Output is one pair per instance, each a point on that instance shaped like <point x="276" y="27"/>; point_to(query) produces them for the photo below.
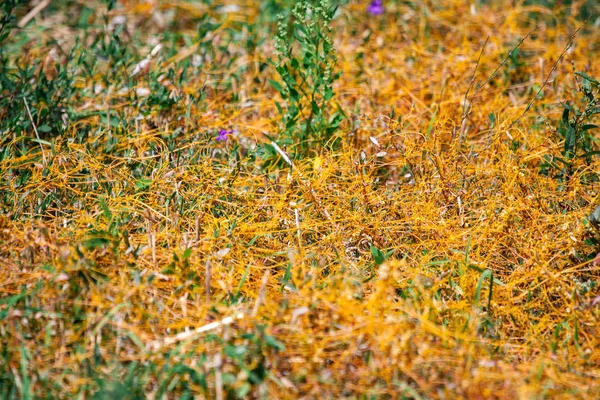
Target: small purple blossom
<point x="376" y="7"/>
<point x="223" y="135"/>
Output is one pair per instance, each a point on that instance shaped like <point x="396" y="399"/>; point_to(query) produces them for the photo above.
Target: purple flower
<point x="376" y="7"/>
<point x="223" y="135"/>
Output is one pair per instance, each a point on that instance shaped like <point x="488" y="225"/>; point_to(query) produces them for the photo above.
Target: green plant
<point x="305" y="64"/>
<point x="576" y="124"/>
<point x="575" y="128"/>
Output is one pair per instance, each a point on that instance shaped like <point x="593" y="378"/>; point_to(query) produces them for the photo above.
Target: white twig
<point x="299" y="233"/>
<point x="34" y="11"/>
<point x="157" y="344"/>
<point x="282" y="153"/>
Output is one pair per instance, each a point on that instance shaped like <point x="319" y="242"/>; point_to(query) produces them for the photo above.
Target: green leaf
<point x="44" y="128"/>
<point x="105" y="209"/>
<point x="294" y="94"/>
<point x="586" y="76"/>
<point x="40" y="141"/>
<point x="315" y="108"/>
<point x="3" y="36"/>
<point x="274" y="343"/>
<point x="592" y="111"/>
<point x="113" y="122"/>
<point x="277" y="86"/>
<point x="594" y="218"/>
<point x="475" y="268"/>
<point x="143" y="183"/>
<point x="570" y="140"/>
<point x="378" y="256"/>
<point x="590" y="153"/>
<point x="243" y="390"/>
<point x="486" y="274"/>
<point x="96" y="243"/>
<point x="565" y="116"/>
<point x="12" y="300"/>
<point x="336" y="120"/>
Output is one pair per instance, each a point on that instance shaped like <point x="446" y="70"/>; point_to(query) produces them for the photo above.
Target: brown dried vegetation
<point x="113" y="258"/>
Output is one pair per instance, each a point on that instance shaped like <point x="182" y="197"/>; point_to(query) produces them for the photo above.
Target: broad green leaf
<point x="143" y="183"/>
<point x="378" y="256"/>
